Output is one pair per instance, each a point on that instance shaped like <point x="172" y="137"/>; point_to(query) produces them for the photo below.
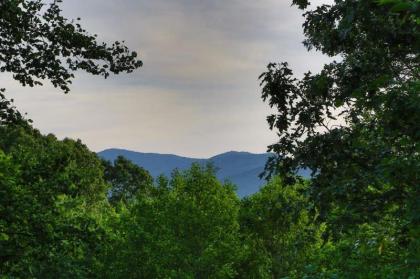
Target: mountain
<point x="241" y="168"/>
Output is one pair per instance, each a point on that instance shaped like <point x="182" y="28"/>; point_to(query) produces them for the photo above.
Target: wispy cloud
<point x="197" y="93"/>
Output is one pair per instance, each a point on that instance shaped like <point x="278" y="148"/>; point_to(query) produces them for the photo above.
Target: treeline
<point x="65" y="213"/>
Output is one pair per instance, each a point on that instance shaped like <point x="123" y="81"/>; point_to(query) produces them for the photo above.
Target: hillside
<point x="241" y="168"/>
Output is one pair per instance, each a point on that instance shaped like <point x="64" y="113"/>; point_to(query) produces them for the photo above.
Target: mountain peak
<point x="240" y="167"/>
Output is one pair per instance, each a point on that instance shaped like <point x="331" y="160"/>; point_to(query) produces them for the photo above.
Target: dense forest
<point x="65" y="213"/>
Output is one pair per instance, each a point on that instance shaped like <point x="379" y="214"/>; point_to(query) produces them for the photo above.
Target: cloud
<point x="197" y="93"/>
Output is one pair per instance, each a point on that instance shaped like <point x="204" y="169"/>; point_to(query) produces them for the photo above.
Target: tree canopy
<point x="66" y="213"/>
<point x="37" y="43"/>
<point x="355" y="124"/>
<point x="126" y="179"/>
<point x="52" y="206"/>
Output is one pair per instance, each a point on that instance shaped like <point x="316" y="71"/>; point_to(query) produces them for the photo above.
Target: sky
<point x="197" y="94"/>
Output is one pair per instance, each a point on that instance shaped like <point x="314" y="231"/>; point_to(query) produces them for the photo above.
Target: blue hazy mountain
<point x="241" y="168"/>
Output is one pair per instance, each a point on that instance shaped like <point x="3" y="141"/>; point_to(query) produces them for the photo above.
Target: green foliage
<point x="277" y="222"/>
<point x="355" y="125"/>
<point x="126" y="179"/>
<point x="8" y="113"/>
<point x="55" y="220"/>
<point x="368" y="251"/>
<point x="51" y="166"/>
<point x="302" y="4"/>
<point x="38" y="43"/>
<point x="187" y="229"/>
<point x="408" y="9"/>
<point x="52" y="199"/>
<point x="65" y="213"/>
<point x="375" y="91"/>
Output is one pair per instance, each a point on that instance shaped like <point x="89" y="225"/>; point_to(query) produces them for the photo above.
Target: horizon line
<point x="172" y="154"/>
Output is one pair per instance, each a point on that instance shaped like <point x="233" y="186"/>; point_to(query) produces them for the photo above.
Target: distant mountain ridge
<point x="241" y="168"/>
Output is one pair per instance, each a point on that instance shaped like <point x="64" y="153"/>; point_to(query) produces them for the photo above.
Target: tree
<point x="187" y="229"/>
<point x="38" y="43"/>
<point x="366" y="251"/>
<point x="409" y="9"/>
<point x="276" y="222"/>
<point x="127" y="180"/>
<point x="354" y="124"/>
<point x="52" y="206"/>
<point x="54" y="216"/>
<point x="9" y="115"/>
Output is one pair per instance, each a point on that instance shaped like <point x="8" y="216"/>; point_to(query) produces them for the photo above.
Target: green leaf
<point x="4" y="237"/>
<point x="403" y="6"/>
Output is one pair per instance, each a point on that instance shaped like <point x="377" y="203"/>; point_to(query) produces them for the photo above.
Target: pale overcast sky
<point x="197" y="93"/>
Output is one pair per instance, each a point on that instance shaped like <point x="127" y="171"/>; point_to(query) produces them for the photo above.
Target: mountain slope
<point x="241" y="168"/>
